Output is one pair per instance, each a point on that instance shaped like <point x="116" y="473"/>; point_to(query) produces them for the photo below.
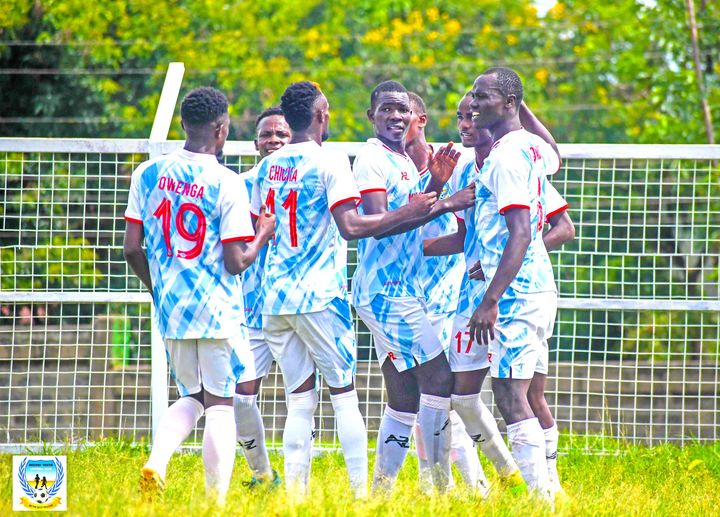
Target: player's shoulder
<point x="148" y="164"/>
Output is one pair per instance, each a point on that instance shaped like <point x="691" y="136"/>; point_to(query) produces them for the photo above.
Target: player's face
<point x="488" y="104"/>
<point x="391" y="116"/>
<point x="272" y="133"/>
<point x="417" y="124"/>
<point x="470" y="136"/>
<point x="323" y="107"/>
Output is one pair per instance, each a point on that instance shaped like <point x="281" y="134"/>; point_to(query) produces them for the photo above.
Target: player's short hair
<point x="417" y="104"/>
<point x="508" y="81"/>
<point x="270" y="112"/>
<point x="203" y="105"/>
<point x="385" y="86"/>
<point x="297" y="104"/>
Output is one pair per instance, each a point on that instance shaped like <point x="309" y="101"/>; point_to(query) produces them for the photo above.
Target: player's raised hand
<point x="265" y="224"/>
<point x="442" y="164"/>
<point x="476" y="272"/>
<point x="422" y="203"/>
<point x="482" y="323"/>
<point x="462" y="199"/>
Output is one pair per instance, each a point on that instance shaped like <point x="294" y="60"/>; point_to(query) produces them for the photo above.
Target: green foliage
<point x="592" y="75"/>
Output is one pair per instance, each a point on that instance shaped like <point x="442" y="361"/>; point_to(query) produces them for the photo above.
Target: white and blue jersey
<point x="514" y="176"/>
<point x="306" y="263"/>
<point x="389" y="266"/>
<point x="189" y="205"/>
<point x="252" y="276"/>
<point x="441" y="275"/>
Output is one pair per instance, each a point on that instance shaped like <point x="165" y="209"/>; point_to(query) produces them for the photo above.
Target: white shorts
<point x="466" y="355"/>
<point x="401" y="330"/>
<point x="257" y="358"/>
<point x="442" y="324"/>
<point x="302" y="342"/>
<point x="212" y="364"/>
<point x="520" y="347"/>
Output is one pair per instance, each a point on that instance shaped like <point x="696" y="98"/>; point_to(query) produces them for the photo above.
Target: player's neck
<point x="298" y="137"/>
<point x="398" y="147"/>
<point x="481" y="152"/>
<point x="417" y="150"/>
<point x="504" y="127"/>
<point x="200" y="147"/>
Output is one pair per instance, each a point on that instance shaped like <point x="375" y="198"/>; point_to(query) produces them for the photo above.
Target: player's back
<point x="187" y="202"/>
<point x="305" y="267"/>
<point x="252" y="276"/>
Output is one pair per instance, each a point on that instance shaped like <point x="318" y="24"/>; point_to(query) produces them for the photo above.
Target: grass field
<point x="663" y="480"/>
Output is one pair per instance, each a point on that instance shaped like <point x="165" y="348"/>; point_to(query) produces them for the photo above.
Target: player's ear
<point x="370" y="115"/>
<point x="422" y="120"/>
<point x="256" y="144"/>
<point x="511" y="101"/>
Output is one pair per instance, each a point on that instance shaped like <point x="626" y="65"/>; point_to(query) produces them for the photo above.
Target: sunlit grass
<point x="663" y="480"/>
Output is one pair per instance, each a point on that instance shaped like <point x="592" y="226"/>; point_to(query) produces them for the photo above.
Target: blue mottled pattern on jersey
<point x="306" y="277"/>
<point x="195" y="298"/>
<point x="441" y="276"/>
<point x="388" y="266"/>
<point x="514" y="173"/>
<point x="252" y="276"/>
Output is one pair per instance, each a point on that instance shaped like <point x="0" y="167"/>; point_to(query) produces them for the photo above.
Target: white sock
<point x="219" y="450"/>
<point x="297" y="440"/>
<point x="528" y="447"/>
<point x="353" y="438"/>
<point x="393" y="443"/>
<point x="465" y="457"/>
<point x="425" y="480"/>
<point x="251" y="435"/>
<point x="482" y="428"/>
<point x="434" y="421"/>
<point x="175" y="425"/>
<point x="551" y="444"/>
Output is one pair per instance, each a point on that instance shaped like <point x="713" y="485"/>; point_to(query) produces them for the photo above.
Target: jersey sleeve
<point x="133" y="212"/>
<point x="454" y="184"/>
<point x="369" y="173"/>
<point x="235" y="222"/>
<point x="553" y="202"/>
<point x="508" y="178"/>
<point x="255" y="201"/>
<point x="340" y="182"/>
<point x="552" y="160"/>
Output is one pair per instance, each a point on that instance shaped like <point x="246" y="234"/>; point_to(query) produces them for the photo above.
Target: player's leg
<point x="469" y="363"/>
<point x="510" y="383"/>
<point x="220" y="369"/>
<point x="298" y="372"/>
<point x="249" y="423"/>
<point x="538" y="403"/>
<point x="330" y="338"/>
<point x="180" y="418"/>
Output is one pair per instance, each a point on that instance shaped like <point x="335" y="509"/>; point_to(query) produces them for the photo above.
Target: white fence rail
<point x="636" y="351"/>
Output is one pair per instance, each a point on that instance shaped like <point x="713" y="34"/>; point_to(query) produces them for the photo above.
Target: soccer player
<point x="388" y="295"/>
<point x="441" y="277"/>
<point x="194" y="216"/>
<point x="517" y="311"/>
<point x="306" y="313"/>
<point x="271" y="133"/>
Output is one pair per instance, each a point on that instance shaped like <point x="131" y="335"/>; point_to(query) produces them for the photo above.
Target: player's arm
<point x="483" y="319"/>
<point x="376" y="203"/>
<point x="352" y="225"/>
<point x="135" y="254"/>
<point x="450" y="244"/>
<point x="531" y="123"/>
<point x="239" y="254"/>
<point x="562" y="230"/>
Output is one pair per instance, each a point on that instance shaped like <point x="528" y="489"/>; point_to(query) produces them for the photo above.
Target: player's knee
<point x="305" y="402"/>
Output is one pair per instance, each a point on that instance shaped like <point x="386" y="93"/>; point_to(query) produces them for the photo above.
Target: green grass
<point x="663" y="480"/>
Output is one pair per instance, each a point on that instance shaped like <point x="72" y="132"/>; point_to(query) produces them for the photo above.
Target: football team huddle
<point x="453" y="281"/>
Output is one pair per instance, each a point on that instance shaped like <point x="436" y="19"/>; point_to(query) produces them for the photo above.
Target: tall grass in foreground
<point x="663" y="480"/>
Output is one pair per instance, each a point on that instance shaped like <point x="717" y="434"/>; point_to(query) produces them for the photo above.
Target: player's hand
<point x="422" y="203"/>
<point x="442" y="164"/>
<point x="482" y="323"/>
<point x="476" y="272"/>
<point x="265" y="224"/>
<point x="462" y="199"/>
